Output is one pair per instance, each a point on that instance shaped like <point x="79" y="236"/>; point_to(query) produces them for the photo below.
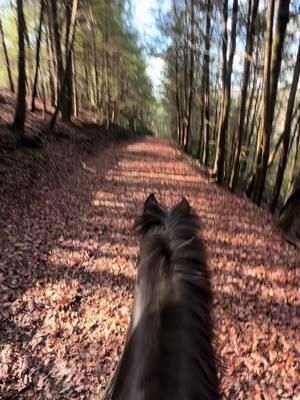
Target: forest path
<point x="67" y="272"/>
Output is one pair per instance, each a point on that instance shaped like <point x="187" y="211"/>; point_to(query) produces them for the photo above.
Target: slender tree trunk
<point x="286" y="133"/>
<point x="226" y="77"/>
<point x="191" y="77"/>
<point x="88" y="99"/>
<point x="20" y="115"/>
<point x="67" y="109"/>
<point x="185" y="77"/>
<point x="291" y="208"/>
<point x="75" y="89"/>
<point x="217" y="116"/>
<point x="29" y="62"/>
<point x="44" y="94"/>
<point x="107" y="110"/>
<point x="206" y="104"/>
<point x="253" y="109"/>
<point x="266" y="122"/>
<point x="182" y="107"/>
<point x="201" y="136"/>
<point x="272" y="155"/>
<point x="277" y="48"/>
<point x="97" y="80"/>
<point x="256" y="110"/>
<point x="218" y="108"/>
<point x="57" y="42"/>
<point x="248" y="131"/>
<point x="67" y="106"/>
<point x="220" y="143"/>
<point x="178" y="113"/>
<point x="244" y="92"/>
<point x="294" y="136"/>
<point x="53" y="84"/>
<point x="37" y="58"/>
<point x="291" y="184"/>
<point x="10" y="80"/>
<point x="203" y="131"/>
<point x="250" y="104"/>
<point x="177" y="88"/>
<point x="68" y="61"/>
<point x="255" y="158"/>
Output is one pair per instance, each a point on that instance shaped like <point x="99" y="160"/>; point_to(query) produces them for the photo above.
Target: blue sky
<point x="144" y="21"/>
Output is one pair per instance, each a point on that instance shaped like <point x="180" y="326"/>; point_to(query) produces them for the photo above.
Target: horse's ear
<point x="153" y="215"/>
<point x="184" y="205"/>
<point x="150" y="202"/>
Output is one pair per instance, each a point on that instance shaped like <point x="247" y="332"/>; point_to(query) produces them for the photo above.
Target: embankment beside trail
<point x="43" y="155"/>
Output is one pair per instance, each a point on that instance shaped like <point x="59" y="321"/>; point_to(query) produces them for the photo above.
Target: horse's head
<point x="168" y="352"/>
<point x="162" y="233"/>
<point x="155" y="214"/>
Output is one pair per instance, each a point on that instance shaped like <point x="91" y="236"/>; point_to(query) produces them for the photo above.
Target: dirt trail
<point x="67" y="270"/>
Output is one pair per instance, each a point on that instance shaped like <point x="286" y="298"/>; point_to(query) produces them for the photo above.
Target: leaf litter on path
<point x="68" y="266"/>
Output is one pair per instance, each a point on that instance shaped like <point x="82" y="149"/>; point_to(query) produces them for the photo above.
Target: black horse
<point x="168" y="353"/>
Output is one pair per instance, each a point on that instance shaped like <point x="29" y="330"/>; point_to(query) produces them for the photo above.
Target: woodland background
<point x="229" y="94"/>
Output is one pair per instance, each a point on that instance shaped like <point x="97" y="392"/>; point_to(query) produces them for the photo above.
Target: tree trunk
<point x="255" y="113"/>
<point x="37" y="58"/>
<point x="57" y="42"/>
<point x="277" y="48"/>
<point x="20" y="115"/>
<point x="295" y="128"/>
<point x="88" y="97"/>
<point x="69" y="46"/>
<point x="273" y="153"/>
<point x="244" y="92"/>
<point x="185" y="76"/>
<point x="107" y="110"/>
<point x="10" y="80"/>
<point x="250" y="104"/>
<point x="178" y="113"/>
<point x="44" y="95"/>
<point x="291" y="184"/>
<point x="75" y="90"/>
<point x="260" y="178"/>
<point x="220" y="142"/>
<point x="67" y="102"/>
<point x="177" y="88"/>
<point x="255" y="156"/>
<point x="216" y="118"/>
<point x="29" y="62"/>
<point x="206" y="103"/>
<point x="226" y="78"/>
<point x="254" y="101"/>
<point x="97" y="80"/>
<point x="291" y="208"/>
<point x="286" y="133"/>
<point x="191" y="77"/>
<point x="53" y="84"/>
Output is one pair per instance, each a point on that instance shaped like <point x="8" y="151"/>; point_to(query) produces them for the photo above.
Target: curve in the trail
<point x="75" y="314"/>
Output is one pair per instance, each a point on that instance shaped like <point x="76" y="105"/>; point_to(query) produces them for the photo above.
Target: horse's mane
<point x="169" y="352"/>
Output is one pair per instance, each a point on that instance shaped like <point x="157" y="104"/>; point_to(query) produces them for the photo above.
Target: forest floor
<point x="68" y="266"/>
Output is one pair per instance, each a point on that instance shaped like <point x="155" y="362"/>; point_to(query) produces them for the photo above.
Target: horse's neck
<point x="154" y="365"/>
<point x="138" y="377"/>
<point x="166" y="358"/>
<point x="169" y="354"/>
